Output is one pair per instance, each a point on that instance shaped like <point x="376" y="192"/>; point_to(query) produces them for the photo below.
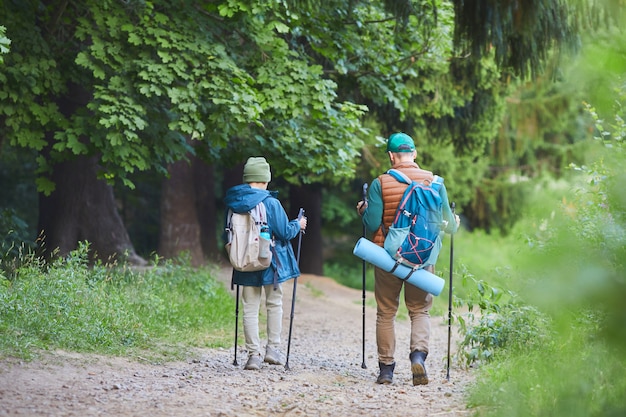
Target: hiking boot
<point x="386" y="373"/>
<point x="254" y="362"/>
<point x="418" y="368"/>
<point x="273" y="356"/>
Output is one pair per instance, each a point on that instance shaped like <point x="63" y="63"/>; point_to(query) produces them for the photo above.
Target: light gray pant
<point x="251" y="298"/>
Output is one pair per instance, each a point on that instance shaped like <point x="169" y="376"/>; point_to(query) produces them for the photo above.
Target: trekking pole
<point x="293" y="297"/>
<point x="450" y="293"/>
<point x="236" y="316"/>
<point x="364" y="232"/>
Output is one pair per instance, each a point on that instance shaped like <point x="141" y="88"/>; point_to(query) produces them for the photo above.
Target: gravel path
<point x="325" y="376"/>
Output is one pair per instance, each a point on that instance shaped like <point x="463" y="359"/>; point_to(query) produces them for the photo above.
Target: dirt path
<point x="325" y="376"/>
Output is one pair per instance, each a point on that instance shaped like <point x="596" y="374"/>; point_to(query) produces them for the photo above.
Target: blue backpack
<point x="414" y="237"/>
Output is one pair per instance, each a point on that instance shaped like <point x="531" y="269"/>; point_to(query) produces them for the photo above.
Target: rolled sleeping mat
<point x="378" y="256"/>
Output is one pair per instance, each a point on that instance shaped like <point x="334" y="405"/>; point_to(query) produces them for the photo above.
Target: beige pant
<point x="387" y="289"/>
<point x="251" y="298"/>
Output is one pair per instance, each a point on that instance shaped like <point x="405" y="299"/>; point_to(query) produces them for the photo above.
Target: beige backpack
<point x="249" y="243"/>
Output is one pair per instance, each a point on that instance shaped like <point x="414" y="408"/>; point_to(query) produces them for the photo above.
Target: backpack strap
<point x="402" y="177"/>
<point x="259" y="213"/>
<point x="229" y="226"/>
<point x="437" y="183"/>
<point x="275" y="277"/>
<point x="399" y="176"/>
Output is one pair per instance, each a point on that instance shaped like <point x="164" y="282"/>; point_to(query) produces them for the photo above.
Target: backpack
<point x="249" y="241"/>
<point x="414" y="236"/>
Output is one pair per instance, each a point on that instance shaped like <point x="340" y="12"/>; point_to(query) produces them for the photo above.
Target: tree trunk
<point x="309" y="197"/>
<point x="83" y="208"/>
<point x="180" y="229"/>
<point x="233" y="176"/>
<point x="209" y="219"/>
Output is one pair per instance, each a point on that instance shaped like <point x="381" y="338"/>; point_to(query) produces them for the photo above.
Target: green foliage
<point x="602" y="60"/>
<point x="151" y="82"/>
<point x="349" y="272"/>
<point x="574" y="272"/>
<point x="574" y="376"/>
<point x="407" y="74"/>
<point x="502" y="322"/>
<point x="571" y="272"/>
<point x="540" y="127"/>
<point x="614" y="134"/>
<point x="112" y="310"/>
<point x="18" y="200"/>
<point x="312" y="87"/>
<point x="542" y="132"/>
<point x="14" y="240"/>
<point x="4" y="43"/>
<point x="18" y="210"/>
<point x="483" y="26"/>
<point x="460" y="105"/>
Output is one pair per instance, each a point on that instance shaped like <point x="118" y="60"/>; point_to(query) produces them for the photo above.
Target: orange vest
<point x="391" y="192"/>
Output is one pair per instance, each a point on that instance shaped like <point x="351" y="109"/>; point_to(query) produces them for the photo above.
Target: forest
<point x="124" y="122"/>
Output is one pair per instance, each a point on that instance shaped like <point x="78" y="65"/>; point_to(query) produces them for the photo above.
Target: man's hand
<point x="360" y="207"/>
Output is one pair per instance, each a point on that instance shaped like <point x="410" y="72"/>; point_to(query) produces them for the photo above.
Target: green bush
<point x="573" y="272"/>
<point x="351" y="274"/>
<point x="14" y="241"/>
<point x="115" y="310"/>
<point x="492" y="321"/>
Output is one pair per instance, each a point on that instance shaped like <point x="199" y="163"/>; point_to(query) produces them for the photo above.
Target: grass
<point x="111" y="310"/>
<point x="347" y="269"/>
<point x="572" y="375"/>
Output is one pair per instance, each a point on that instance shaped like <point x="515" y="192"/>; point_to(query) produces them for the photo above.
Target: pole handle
<point x="362" y="207"/>
<point x="300" y="215"/>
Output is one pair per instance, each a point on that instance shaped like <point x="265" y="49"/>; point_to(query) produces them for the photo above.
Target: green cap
<point x="256" y="170"/>
<point x="400" y="142"/>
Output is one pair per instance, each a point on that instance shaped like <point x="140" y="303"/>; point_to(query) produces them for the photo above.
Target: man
<point x="243" y="198"/>
<point x="378" y="214"/>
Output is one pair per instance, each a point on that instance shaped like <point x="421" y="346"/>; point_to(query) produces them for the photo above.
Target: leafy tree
<point x="107" y="89"/>
<point x="4" y="43"/>
<point x="497" y="112"/>
<point x="127" y="85"/>
<point x="406" y="72"/>
<point x="544" y="128"/>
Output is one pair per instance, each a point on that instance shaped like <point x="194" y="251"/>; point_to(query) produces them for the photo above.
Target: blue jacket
<point x="242" y="198"/>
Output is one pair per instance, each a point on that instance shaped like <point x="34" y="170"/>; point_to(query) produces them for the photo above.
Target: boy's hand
<point x="303" y="222"/>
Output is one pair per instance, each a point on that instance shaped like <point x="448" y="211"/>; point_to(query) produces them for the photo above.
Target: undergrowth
<point x="563" y="354"/>
<point x="70" y="305"/>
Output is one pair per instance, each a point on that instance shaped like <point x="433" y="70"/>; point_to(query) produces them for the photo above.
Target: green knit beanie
<point x="256" y="170"/>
